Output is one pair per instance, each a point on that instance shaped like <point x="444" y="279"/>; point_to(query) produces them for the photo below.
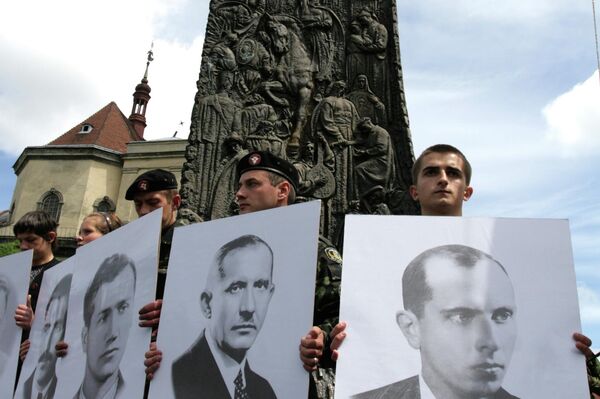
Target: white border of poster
<point x="14" y="271"/>
<point x="292" y="234"/>
<point x="138" y="241"/>
<point x="537" y="256"/>
<point x="37" y="336"/>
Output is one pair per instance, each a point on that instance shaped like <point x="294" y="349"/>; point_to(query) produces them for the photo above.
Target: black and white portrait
<point x="462" y="307"/>
<point x="236" y="307"/>
<point x="113" y="278"/>
<point x="38" y="376"/>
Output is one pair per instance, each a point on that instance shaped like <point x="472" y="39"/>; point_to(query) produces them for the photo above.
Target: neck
<point x="92" y="388"/>
<point x="42" y="260"/>
<point x="441" y="389"/>
<point x="441" y="212"/>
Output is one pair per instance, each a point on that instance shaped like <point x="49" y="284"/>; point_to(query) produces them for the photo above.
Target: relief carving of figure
<point x="317" y="23"/>
<point x="215" y="115"/>
<point x="292" y="70"/>
<point x="366" y="102"/>
<point x="246" y="120"/>
<point x="374" y="157"/>
<point x="264" y="138"/>
<point x="334" y="120"/>
<point x="309" y="181"/>
<point x="366" y="49"/>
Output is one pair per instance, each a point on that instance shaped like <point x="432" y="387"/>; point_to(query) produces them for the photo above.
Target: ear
<point x="409" y="324"/>
<point x="176" y="201"/>
<point x="271" y="291"/>
<point x="51" y="236"/>
<point x="84" y="336"/>
<point x="413" y="192"/>
<point x="205" y="299"/>
<point x="283" y="191"/>
<point x="468" y="192"/>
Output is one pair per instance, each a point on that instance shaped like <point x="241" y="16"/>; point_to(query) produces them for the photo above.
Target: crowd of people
<point x="441" y="184"/>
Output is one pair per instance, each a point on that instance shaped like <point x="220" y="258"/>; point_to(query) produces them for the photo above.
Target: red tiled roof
<point x="110" y="129"/>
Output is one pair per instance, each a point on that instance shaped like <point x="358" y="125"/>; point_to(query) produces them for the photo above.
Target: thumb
<point x="28" y="301"/>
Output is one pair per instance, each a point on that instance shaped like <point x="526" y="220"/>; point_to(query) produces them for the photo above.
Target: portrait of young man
<point x="108" y="316"/>
<point x="459" y="312"/>
<point x="234" y="302"/>
<point x="6" y="322"/>
<point x="41" y="384"/>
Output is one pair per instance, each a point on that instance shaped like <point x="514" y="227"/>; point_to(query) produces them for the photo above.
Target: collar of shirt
<point x="110" y="394"/>
<point x="424" y="389"/>
<point x="228" y="367"/>
<point x="36" y="388"/>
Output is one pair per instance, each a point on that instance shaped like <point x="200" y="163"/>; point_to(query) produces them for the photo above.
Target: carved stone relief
<point x="315" y="81"/>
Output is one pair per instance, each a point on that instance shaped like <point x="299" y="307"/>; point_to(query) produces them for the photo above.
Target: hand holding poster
<point x="14" y="282"/>
<point x="239" y="296"/>
<point x="114" y="277"/>
<point x="459" y="308"/>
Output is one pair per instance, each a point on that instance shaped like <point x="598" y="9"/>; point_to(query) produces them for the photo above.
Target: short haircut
<point x="238" y="243"/>
<point x="105" y="221"/>
<point x="275" y="179"/>
<point x="108" y="271"/>
<point x="441" y="149"/>
<point x="61" y="291"/>
<point x="415" y="290"/>
<point x="37" y="222"/>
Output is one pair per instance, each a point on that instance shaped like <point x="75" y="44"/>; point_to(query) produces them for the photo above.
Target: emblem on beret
<point x="143" y="185"/>
<point x="333" y="255"/>
<point x="254" y="159"/>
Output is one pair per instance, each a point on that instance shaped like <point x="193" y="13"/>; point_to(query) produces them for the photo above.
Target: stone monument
<point x="318" y="82"/>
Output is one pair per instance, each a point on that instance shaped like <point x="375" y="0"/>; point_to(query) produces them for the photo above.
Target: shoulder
<point x="328" y="251"/>
<point x="404" y="389"/>
<point x="503" y="394"/>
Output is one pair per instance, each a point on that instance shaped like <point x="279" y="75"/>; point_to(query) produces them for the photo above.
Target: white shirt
<point x="228" y="367"/>
<point x="424" y="389"/>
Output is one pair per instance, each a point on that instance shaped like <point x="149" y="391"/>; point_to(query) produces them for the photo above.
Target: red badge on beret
<point x="143" y="185"/>
<point x="254" y="159"/>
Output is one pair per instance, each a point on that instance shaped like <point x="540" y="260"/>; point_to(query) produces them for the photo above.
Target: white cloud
<point x="70" y="58"/>
<point x="573" y="118"/>
<point x="589" y="304"/>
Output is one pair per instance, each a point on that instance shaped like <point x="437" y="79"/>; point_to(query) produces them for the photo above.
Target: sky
<point x="513" y="84"/>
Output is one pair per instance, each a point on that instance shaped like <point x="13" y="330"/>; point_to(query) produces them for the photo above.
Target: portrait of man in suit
<point x="107" y="316"/>
<point x="42" y="382"/>
<point x="5" y="321"/>
<point x="235" y="301"/>
<point x="459" y="312"/>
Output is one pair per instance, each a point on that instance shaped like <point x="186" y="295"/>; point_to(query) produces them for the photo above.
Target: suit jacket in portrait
<point x="196" y="376"/>
<point x="28" y="388"/>
<point x="409" y="389"/>
<point x="119" y="391"/>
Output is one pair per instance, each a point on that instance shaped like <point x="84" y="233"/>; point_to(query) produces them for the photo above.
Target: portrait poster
<point x="239" y="296"/>
<point x="114" y="277"/>
<point x="14" y="283"/>
<point x="477" y="307"/>
<point x="39" y="367"/>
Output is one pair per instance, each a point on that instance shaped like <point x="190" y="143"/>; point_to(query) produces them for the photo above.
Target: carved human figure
<point x="292" y="74"/>
<point x="318" y="23"/>
<point x="254" y="62"/>
<point x="240" y="17"/>
<point x="215" y="120"/>
<point x="366" y="102"/>
<point x="255" y="110"/>
<point x="222" y="53"/>
<point x="374" y="157"/>
<point x="373" y="201"/>
<point x="366" y="51"/>
<point x="334" y="120"/>
<point x="309" y="182"/>
<point x="264" y="138"/>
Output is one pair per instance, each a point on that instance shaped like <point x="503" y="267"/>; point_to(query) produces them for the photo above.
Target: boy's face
<point x="42" y="248"/>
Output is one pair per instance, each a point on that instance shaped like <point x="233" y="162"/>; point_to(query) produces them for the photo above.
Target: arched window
<point x="51" y="203"/>
<point x="104" y="204"/>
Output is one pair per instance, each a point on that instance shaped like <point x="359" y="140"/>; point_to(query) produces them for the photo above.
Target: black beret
<point x="152" y="180"/>
<point x="263" y="160"/>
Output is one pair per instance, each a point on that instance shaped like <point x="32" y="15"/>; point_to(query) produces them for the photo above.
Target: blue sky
<point x="513" y="84"/>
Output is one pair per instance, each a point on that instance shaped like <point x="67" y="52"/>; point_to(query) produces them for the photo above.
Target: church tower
<point x="141" y="97"/>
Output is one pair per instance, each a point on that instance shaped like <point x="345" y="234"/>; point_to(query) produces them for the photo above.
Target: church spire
<point x="141" y="96"/>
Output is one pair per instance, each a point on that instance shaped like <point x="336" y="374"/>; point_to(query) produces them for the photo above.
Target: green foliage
<point x="9" y="247"/>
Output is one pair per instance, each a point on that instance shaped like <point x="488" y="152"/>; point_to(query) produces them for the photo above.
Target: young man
<point x="35" y="230"/>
